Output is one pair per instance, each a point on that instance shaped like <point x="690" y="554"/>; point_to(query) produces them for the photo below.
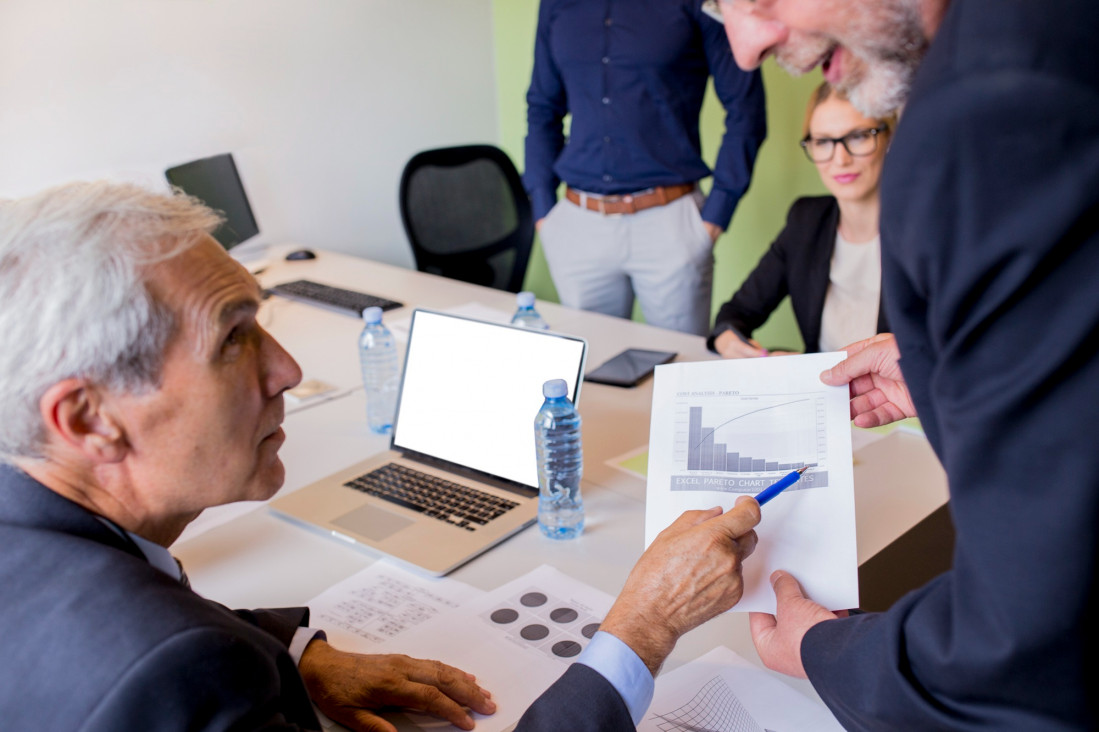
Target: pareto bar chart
<point x="733" y="443"/>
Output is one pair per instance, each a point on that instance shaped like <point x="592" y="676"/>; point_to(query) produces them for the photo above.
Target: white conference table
<point x="247" y="556"/>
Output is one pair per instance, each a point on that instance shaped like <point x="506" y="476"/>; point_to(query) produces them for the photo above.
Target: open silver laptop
<point x="465" y="420"/>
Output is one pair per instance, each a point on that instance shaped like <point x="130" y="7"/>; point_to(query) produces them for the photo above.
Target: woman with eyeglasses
<point x="828" y="257"/>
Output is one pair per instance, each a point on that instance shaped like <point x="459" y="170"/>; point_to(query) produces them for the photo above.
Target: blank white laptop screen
<point x="471" y="390"/>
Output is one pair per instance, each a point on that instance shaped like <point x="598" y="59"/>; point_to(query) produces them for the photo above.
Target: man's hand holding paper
<point x="879" y="394"/>
<point x="723" y="429"/>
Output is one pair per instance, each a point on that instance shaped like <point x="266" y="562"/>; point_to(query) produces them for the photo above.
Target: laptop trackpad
<point x="372" y="522"/>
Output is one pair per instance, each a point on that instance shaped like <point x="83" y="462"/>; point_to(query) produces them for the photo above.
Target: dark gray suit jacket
<point x="990" y="244"/>
<point x="94" y="638"/>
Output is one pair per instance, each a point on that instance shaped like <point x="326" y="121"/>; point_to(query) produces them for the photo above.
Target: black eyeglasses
<point x="857" y="143"/>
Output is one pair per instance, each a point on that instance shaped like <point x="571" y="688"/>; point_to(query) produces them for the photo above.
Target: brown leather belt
<point x="628" y="203"/>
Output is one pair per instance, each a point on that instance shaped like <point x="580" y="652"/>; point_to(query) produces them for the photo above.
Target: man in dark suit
<point x="136" y="390"/>
<point x="990" y="238"/>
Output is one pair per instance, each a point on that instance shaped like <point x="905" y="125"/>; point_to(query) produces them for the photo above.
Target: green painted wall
<point x="782" y="173"/>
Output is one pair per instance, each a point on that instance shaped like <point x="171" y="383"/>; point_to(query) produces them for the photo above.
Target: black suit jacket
<point x="990" y="237"/>
<point x="797" y="264"/>
<point x="94" y="638"/>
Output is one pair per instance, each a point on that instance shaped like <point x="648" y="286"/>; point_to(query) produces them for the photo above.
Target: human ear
<point x="76" y="417"/>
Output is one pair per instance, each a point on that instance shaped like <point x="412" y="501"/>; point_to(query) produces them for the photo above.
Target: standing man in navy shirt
<point x="632" y="74"/>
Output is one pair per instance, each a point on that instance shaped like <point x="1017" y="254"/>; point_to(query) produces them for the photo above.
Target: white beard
<point x="882" y="90"/>
<point x="889" y="48"/>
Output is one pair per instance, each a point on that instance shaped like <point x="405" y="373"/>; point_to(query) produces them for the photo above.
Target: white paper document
<point x="722" y="429"/>
<point x="382" y="603"/>
<point x="517" y="640"/>
<point x="722" y="692"/>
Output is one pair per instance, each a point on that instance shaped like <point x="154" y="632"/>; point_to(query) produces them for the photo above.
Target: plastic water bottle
<point x="526" y="315"/>
<point x="560" y="464"/>
<point x="381" y="372"/>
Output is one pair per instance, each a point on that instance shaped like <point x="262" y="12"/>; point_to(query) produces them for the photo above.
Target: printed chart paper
<point x="722" y="429"/>
<point x="517" y="640"/>
<point x="722" y="692"/>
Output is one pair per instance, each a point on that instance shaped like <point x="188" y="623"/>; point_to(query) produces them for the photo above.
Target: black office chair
<point x="467" y="216"/>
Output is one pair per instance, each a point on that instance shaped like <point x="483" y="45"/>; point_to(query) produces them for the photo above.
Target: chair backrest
<point x="216" y="182"/>
<point x="467" y="216"/>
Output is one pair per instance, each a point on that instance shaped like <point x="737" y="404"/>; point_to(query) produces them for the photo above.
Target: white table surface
<point x="247" y="556"/>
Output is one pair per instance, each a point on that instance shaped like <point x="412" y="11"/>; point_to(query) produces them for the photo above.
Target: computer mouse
<point x="299" y="254"/>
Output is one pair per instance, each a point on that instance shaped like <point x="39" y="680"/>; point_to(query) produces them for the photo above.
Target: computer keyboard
<point x="348" y="301"/>
<point x="453" y="503"/>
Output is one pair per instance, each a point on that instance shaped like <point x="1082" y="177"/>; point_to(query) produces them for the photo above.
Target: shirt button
<point x="606" y="100"/>
<point x="607" y="138"/>
<point x="608" y="22"/>
<point x="606" y="60"/>
<point x="607" y="178"/>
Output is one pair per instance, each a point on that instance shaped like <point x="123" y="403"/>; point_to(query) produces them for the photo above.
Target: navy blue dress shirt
<point x="633" y="73"/>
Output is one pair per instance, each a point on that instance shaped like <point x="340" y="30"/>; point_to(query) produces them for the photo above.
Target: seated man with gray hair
<point x="136" y="390"/>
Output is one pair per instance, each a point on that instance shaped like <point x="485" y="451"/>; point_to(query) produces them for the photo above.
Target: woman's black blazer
<point x="797" y="264"/>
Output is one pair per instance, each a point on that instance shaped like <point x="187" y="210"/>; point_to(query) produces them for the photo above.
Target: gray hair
<point x="73" y="297"/>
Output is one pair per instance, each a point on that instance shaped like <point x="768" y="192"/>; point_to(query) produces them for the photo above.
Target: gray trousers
<point x="663" y="256"/>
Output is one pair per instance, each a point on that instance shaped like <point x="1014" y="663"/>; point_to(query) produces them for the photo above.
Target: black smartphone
<point x="629" y="367"/>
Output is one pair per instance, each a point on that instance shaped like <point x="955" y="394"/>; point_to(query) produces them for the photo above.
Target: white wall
<point x="321" y="102"/>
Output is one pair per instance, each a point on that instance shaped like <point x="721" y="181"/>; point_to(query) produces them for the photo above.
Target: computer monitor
<point x="215" y="182"/>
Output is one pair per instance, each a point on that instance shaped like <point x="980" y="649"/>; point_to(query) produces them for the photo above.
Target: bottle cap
<point x="372" y="316"/>
<point x="525" y="299"/>
<point x="555" y="388"/>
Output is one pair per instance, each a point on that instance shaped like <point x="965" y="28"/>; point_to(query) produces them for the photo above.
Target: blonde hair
<point x="826" y="91"/>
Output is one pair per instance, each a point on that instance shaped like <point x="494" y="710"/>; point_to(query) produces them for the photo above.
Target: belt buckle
<point x="601" y="206"/>
<point x="598" y="204"/>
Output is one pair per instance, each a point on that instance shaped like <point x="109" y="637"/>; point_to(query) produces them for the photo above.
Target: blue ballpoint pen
<point x="779" y="485"/>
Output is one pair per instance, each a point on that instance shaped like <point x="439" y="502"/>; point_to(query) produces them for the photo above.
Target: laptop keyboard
<point x="350" y="301"/>
<point x="451" y="502"/>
